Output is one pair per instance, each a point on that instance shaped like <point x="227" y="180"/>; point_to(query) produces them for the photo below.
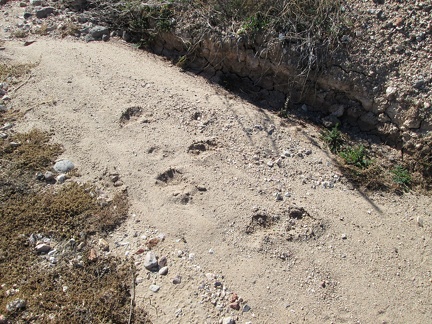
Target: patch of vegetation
<point x="70" y="29"/>
<point x="354" y="161"/>
<point x="254" y="24"/>
<point x="182" y="62"/>
<point x="356" y="156"/>
<point x="143" y="21"/>
<point x="73" y="287"/>
<point x="371" y="178"/>
<point x="10" y="72"/>
<point x="333" y="138"/>
<point x="30" y="151"/>
<point x="401" y="176"/>
<point x="19" y="33"/>
<point x="42" y="30"/>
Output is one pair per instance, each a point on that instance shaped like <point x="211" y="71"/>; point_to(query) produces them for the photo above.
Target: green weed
<point x="333" y="138"/>
<point x="356" y="156"/>
<point x="401" y="176"/>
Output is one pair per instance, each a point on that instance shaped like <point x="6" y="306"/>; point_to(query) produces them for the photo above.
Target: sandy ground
<point x="350" y="258"/>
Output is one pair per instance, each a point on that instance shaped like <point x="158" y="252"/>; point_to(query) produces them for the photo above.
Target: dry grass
<point x="12" y="73"/>
<point x="70" y="29"/>
<point x="19" y="33"/>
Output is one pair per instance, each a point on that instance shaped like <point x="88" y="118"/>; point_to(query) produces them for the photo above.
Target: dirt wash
<point x="248" y="203"/>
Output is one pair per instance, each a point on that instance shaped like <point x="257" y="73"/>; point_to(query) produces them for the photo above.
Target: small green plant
<point x="401" y="176"/>
<point x="333" y="138"/>
<point x="356" y="156"/>
<point x="164" y="19"/>
<point x="255" y="23"/>
<point x="182" y="61"/>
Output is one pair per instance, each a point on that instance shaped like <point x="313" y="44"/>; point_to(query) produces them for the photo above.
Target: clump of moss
<point x="30" y="151"/>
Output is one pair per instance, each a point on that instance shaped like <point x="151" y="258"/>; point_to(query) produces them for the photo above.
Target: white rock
<point x="163" y="271"/>
<point x="150" y="261"/>
<point x="391" y="92"/>
<point x="63" y="166"/>
<point x="15" y="305"/>
<point x="228" y="320"/>
<point x="154" y="288"/>
<point x="419" y="221"/>
<point x="104" y="246"/>
<point x="43" y="248"/>
<point x="61" y="178"/>
<point x="49" y="176"/>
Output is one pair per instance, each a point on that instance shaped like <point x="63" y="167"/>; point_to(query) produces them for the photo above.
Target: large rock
<point x="44" y="12"/>
<point x="98" y="31"/>
<point x="63" y="166"/>
<point x="77" y="5"/>
<point x="150" y="261"/>
<point x="15" y="305"/>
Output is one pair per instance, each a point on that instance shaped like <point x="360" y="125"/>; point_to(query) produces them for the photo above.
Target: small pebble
<point x="61" y="178"/>
<point x="162" y="262"/>
<point x="228" y="320"/>
<point x="176" y="280"/>
<point x="235" y="306"/>
<point x="154" y="288"/>
<point x="92" y="255"/>
<point x="104" y="246"/>
<point x="49" y="176"/>
<point x="43" y="248"/>
<point x="163" y="271"/>
<point x="344" y="236"/>
<point x="7" y="126"/>
<point x="420" y="221"/>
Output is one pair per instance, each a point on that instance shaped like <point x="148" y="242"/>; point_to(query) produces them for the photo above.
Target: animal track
<point x="171" y="176"/>
<point x="131" y="114"/>
<point x="201" y="146"/>
<point x="294" y="224"/>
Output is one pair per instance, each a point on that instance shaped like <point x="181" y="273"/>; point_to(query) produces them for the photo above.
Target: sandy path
<point x="381" y="271"/>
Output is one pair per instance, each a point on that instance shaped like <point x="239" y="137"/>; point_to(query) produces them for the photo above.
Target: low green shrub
<point x="333" y="138"/>
<point x="401" y="176"/>
<point x="356" y="156"/>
